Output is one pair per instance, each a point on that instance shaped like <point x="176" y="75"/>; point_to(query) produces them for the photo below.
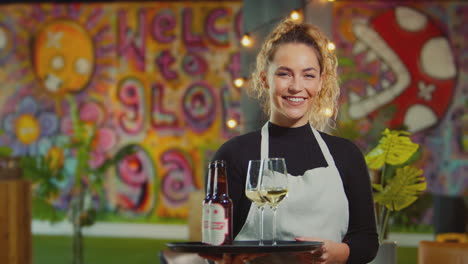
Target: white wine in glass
<point x="254" y="196"/>
<point x="274" y="196"/>
<point x="274" y="186"/>
<point x="252" y="191"/>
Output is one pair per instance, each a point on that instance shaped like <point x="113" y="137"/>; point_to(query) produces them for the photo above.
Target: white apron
<point x="316" y="205"/>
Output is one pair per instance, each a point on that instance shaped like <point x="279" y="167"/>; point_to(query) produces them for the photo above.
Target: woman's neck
<point x="291" y="132"/>
<point x="288" y="123"/>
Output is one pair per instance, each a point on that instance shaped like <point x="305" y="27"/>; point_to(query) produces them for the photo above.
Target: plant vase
<point x="387" y="253"/>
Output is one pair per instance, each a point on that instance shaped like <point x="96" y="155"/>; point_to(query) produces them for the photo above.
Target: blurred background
<point x="111" y="110"/>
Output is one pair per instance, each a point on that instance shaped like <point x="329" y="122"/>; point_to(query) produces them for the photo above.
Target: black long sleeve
<point x="362" y="236"/>
<point x="302" y="152"/>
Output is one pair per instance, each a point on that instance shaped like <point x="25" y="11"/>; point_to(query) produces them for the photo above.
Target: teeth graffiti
<point x="359" y="47"/>
<point x="370" y="91"/>
<point x="385" y="83"/>
<point x="52" y="82"/>
<point x="371" y="56"/>
<point x="354" y="98"/>
<point x="376" y="48"/>
<point x="384" y="67"/>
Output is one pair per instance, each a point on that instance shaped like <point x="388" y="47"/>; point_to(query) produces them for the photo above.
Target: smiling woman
<point x="304" y="56"/>
<point x="293" y="81"/>
<point x="328" y="182"/>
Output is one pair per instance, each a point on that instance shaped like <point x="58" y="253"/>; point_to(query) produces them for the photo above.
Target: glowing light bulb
<point x="239" y="82"/>
<point x="295" y="15"/>
<point x="331" y="0"/>
<point x="328" y="112"/>
<point x="231" y="123"/>
<point x="331" y="46"/>
<point x="246" y="41"/>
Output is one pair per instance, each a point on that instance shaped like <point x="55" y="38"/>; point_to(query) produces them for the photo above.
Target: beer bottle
<point x="206" y="214"/>
<point x="221" y="207"/>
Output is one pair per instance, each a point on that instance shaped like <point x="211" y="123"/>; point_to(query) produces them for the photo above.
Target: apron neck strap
<point x="264" y="143"/>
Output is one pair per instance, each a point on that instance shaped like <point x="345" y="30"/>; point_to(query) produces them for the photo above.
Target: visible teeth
<point x="370" y="56"/>
<point x="354" y="98"/>
<point x="385" y="83"/>
<point x="295" y="99"/>
<point x="359" y="47"/>
<point x="370" y="91"/>
<point x="52" y="82"/>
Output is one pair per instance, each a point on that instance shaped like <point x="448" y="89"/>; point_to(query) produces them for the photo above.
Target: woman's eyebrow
<point x="283" y="68"/>
<point x="309" y="69"/>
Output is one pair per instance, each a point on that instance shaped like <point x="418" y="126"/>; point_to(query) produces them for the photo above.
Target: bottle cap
<point x="219" y="163"/>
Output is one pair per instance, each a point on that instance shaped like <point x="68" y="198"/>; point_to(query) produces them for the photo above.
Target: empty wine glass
<point x="274" y="186"/>
<point x="252" y="191"/>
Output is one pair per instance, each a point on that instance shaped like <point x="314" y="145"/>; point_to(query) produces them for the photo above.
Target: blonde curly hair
<point x="288" y="31"/>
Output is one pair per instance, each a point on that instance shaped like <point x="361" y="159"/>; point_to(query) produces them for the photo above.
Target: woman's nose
<point x="295" y="85"/>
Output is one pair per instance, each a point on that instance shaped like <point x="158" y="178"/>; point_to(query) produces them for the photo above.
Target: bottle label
<point x="206" y="215"/>
<point x="219" y="224"/>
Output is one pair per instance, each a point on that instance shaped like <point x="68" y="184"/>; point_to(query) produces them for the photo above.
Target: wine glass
<point x="252" y="191"/>
<point x="274" y="186"/>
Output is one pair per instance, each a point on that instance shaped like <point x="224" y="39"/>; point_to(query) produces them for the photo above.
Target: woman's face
<point x="293" y="79"/>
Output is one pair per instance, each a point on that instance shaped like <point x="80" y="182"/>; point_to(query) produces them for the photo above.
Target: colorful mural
<point x="155" y="76"/>
<point x="408" y="61"/>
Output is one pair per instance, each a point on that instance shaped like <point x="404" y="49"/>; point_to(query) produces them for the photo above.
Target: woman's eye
<point x="310" y="76"/>
<point x="282" y="74"/>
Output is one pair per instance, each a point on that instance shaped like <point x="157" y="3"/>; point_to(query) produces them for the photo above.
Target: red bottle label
<point x="219" y="224"/>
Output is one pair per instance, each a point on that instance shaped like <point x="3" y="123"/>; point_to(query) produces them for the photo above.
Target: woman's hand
<point x="330" y="252"/>
<point x="232" y="258"/>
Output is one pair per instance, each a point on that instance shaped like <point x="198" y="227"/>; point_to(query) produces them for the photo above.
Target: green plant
<point x="399" y="184"/>
<point x="5" y="151"/>
<point x="46" y="172"/>
<point x="45" y="178"/>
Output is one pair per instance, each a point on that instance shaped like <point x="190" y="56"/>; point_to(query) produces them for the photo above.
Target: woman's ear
<point x="263" y="76"/>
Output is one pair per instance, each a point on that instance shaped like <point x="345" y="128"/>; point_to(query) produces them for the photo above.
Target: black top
<point x="301" y="151"/>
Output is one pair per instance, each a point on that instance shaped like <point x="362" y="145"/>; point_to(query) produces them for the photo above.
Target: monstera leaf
<point x="402" y="190"/>
<point x="394" y="148"/>
<point x="399" y="184"/>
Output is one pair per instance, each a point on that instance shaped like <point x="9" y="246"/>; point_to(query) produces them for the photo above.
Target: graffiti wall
<point x="157" y="76"/>
<point x="406" y="64"/>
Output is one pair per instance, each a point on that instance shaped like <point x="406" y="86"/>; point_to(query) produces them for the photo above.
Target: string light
<point x="246" y="41"/>
<point x="295" y="15"/>
<point x="331" y="46"/>
<point x="231" y="123"/>
<point x="239" y="82"/>
<point x="328" y="112"/>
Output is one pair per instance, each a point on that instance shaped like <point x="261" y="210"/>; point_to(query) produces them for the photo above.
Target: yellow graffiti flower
<point x="27" y="129"/>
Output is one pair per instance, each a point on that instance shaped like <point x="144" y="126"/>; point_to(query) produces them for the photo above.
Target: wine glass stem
<point x="274" y="226"/>
<point x="261" y="209"/>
